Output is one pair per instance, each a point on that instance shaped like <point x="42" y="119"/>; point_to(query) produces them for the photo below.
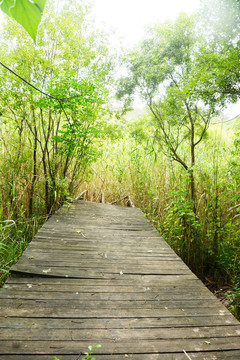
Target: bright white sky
<point x="130" y="17"/>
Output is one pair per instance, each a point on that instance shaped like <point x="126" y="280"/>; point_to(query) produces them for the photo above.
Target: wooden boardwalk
<point x="100" y="274"/>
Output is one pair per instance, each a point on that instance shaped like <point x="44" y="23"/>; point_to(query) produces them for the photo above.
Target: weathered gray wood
<point x="136" y="280"/>
<point x="196" y="291"/>
<point x="215" y="355"/>
<point x="43" y="309"/>
<point x="94" y="336"/>
<point x="117" y="323"/>
<point x="81" y="195"/>
<point x="53" y="302"/>
<point x="117" y="296"/>
<point x="42" y="259"/>
<point x="101" y="274"/>
<point x="229" y="355"/>
<point x="118" y="346"/>
<point x="91" y="272"/>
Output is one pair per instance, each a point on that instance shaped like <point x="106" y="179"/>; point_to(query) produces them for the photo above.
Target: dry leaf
<point x="46" y="271"/>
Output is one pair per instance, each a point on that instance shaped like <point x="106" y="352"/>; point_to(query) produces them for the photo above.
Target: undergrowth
<point x="15" y="235"/>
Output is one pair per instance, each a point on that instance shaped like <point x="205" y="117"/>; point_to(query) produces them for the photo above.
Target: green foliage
<point x="15" y="236"/>
<point x="46" y="144"/>
<point x="216" y="70"/>
<point x="91" y="350"/>
<point x="88" y="355"/>
<point x="233" y="298"/>
<point x="27" y="13"/>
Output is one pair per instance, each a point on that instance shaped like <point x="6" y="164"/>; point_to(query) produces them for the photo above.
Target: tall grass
<point x="16" y="229"/>
<point x="209" y="242"/>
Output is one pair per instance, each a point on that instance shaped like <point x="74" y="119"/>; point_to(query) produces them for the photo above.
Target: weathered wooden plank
<point x="136" y="280"/>
<point x="82" y="288"/>
<point x="63" y="258"/>
<point x="93" y="253"/>
<point x="53" y="301"/>
<point x="214" y="355"/>
<point x="116" y="346"/>
<point x="114" y="230"/>
<point x="43" y="309"/>
<point x="82" y="239"/>
<point x="41" y="285"/>
<point x="119" y="334"/>
<point x="119" y="296"/>
<point x="104" y="265"/>
<point x="118" y="323"/>
<point x="195" y="291"/>
<point x="97" y="247"/>
<point x="77" y="272"/>
<point x="124" y="335"/>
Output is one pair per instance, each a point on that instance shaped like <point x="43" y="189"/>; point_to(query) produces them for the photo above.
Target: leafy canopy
<point x="27" y="13"/>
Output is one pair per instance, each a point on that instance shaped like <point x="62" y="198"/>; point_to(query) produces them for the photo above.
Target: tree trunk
<point x="193" y="190"/>
<point x="34" y="178"/>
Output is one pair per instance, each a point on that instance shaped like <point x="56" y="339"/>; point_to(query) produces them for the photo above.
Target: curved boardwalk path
<point x="100" y="274"/>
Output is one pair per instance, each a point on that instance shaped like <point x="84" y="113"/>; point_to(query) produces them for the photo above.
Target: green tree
<point x="48" y="140"/>
<point x="217" y="68"/>
<point x="159" y="69"/>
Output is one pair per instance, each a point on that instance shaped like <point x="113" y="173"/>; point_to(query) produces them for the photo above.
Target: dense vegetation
<point x="178" y="159"/>
<point x="47" y="141"/>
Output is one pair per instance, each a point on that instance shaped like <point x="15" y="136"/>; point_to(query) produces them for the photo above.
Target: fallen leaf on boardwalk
<point x="78" y="231"/>
<point x="207" y="342"/>
<point x="46" y="271"/>
<point x="29" y="286"/>
<point x="121" y="273"/>
<point x="31" y="257"/>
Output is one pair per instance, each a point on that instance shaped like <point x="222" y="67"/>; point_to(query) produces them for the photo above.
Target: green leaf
<point x="91" y="347"/>
<point x="27" y="13"/>
<point x="6" y="5"/>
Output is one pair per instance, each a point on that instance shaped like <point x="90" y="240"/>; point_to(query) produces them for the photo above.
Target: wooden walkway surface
<point x="100" y="274"/>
